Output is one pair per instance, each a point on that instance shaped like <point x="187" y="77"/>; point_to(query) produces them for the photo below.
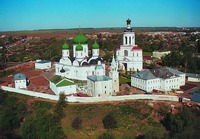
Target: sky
<point x="62" y="14"/>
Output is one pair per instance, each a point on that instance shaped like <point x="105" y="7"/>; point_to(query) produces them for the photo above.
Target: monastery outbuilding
<point x="163" y="79"/>
<point x="20" y="81"/>
<point x="60" y="84"/>
<point x="42" y="64"/>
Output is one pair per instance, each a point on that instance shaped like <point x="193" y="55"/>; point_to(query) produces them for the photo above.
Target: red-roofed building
<point x="147" y="59"/>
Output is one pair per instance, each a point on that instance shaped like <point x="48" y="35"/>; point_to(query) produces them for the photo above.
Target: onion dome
<point x="95" y="45"/>
<point x="80" y="38"/>
<point x="79" y="47"/>
<point x="65" y="46"/>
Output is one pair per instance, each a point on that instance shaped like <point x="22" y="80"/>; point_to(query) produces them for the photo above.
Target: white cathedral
<point x="129" y="55"/>
<point x="80" y="65"/>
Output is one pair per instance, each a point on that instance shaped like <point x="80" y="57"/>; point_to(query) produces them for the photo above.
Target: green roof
<point x="80" y="38"/>
<point x="56" y="79"/>
<point x="65" y="46"/>
<point x="79" y="47"/>
<point x="59" y="81"/>
<point x="64" y="83"/>
<point x="95" y="45"/>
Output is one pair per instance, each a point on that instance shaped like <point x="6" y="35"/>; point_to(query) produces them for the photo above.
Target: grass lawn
<point x="124" y="80"/>
<point x="132" y="118"/>
<point x="147" y="53"/>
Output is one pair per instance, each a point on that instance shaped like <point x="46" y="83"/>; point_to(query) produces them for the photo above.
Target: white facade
<point x="65" y="88"/>
<point x="42" y="64"/>
<point x="114" y="74"/>
<point x="99" y="85"/>
<point x="99" y="88"/>
<point x="79" y="66"/>
<point x="158" y="79"/>
<point x="129" y="56"/>
<point x="193" y="77"/>
<point x="20" y="81"/>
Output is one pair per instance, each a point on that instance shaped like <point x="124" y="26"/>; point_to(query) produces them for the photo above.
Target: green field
<point x="124" y="80"/>
<point x="28" y="117"/>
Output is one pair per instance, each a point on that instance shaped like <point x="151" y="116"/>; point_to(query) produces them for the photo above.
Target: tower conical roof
<point x="95" y="45"/>
<point x="113" y="61"/>
<point x="65" y="46"/>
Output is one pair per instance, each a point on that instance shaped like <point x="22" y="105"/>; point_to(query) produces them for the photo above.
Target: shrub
<point x="77" y="123"/>
<point x="109" y="122"/>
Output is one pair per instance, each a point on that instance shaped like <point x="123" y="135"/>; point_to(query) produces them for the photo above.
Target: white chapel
<point x="129" y="55"/>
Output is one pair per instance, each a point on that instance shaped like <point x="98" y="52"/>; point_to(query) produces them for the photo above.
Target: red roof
<point x="136" y="48"/>
<point x="81" y="94"/>
<point x="117" y="48"/>
<point x="147" y="57"/>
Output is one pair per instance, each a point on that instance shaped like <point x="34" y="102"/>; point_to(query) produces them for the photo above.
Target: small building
<point x="20" y="81"/>
<point x="147" y="59"/>
<point x="162" y="79"/>
<point x="158" y="55"/>
<point x="193" y="77"/>
<point x="42" y="64"/>
<point x="60" y="84"/>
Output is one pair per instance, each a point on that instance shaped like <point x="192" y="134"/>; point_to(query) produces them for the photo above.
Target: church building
<point x="129" y="55"/>
<point x="80" y="65"/>
<point x="100" y="85"/>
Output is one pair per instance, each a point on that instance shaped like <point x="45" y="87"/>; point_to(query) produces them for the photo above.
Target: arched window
<point x="137" y="54"/>
<point x="125" y="53"/>
<point x="125" y="40"/>
<point x="130" y="40"/>
<point x="133" y="54"/>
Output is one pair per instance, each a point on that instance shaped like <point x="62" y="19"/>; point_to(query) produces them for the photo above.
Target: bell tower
<point x="129" y="34"/>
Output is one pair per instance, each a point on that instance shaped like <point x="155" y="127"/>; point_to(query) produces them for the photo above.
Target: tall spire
<point x="113" y="61"/>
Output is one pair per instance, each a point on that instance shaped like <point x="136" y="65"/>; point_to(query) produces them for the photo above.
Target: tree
<point x="41" y="125"/>
<point x="77" y="123"/>
<point x="60" y="105"/>
<point x="109" y="122"/>
<point x="172" y="59"/>
<point x="176" y="123"/>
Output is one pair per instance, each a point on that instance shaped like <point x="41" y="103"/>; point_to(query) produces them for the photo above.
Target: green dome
<point x="65" y="46"/>
<point x="80" y="38"/>
<point x="79" y="47"/>
<point x="95" y="45"/>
